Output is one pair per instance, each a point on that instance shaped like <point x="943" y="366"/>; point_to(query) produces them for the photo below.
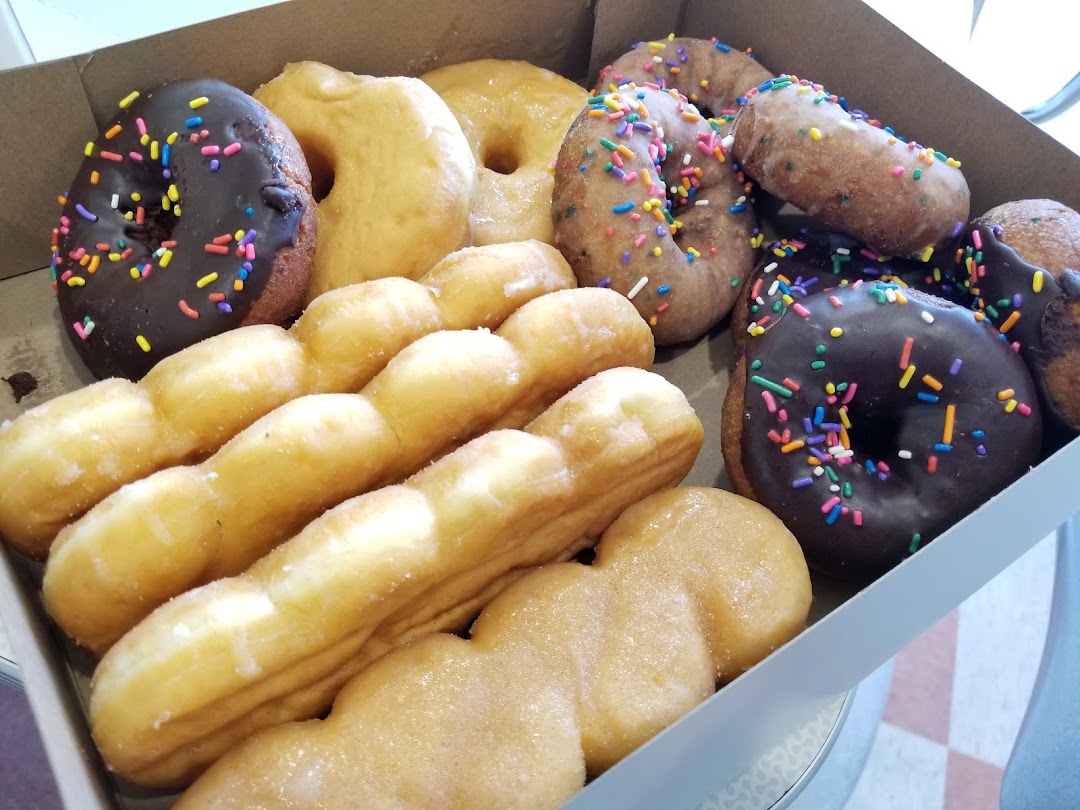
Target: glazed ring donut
<point x="819" y="261"/>
<point x="803" y="145"/>
<point x="708" y="72"/>
<point x="514" y="116"/>
<point x="875" y="419"/>
<point x="399" y="171"/>
<point x="1020" y="259"/>
<point x="678" y="247"/>
<point x="191" y="215"/>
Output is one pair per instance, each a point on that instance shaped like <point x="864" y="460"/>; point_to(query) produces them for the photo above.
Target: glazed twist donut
<point x="200" y="523"/>
<point x="402" y="174"/>
<point x="802" y="144"/>
<point x="669" y="228"/>
<point x="564" y="674"/>
<point x="514" y="116"/>
<point x="712" y="75"/>
<point x="212" y="666"/>
<point x="59" y="459"/>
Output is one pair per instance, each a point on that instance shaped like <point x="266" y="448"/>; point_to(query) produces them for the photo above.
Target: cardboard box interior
<point x="841" y="43"/>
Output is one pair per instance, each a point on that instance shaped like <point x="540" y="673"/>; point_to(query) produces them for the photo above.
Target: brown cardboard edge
<point x="29" y="185"/>
<point x="71" y="754"/>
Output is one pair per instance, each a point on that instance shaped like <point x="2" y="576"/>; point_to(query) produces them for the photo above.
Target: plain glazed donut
<point x="514" y="116"/>
<point x="803" y="145"/>
<point x="190" y="215"/>
<point x="1021" y="260"/>
<point x="649" y="205"/>
<point x="709" y="73"/>
<point x="402" y="173"/>
<point x="819" y="261"/>
<point x="873" y="420"/>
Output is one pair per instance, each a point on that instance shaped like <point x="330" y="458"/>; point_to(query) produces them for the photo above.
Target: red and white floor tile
<point x="958" y="696"/>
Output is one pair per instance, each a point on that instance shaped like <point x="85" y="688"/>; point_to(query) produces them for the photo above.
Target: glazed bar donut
<point x="844" y="168"/>
<point x="61" y="458"/>
<point x="873" y="419"/>
<point x="402" y="174"/>
<point x="212" y="666"/>
<point x="200" y="523"/>
<point x="818" y="261"/>
<point x="190" y="215"/>
<point x="1021" y="260"/>
<point x="566" y="672"/>
<point x="646" y="203"/>
<point x="712" y="75"/>
<point x="514" y="116"/>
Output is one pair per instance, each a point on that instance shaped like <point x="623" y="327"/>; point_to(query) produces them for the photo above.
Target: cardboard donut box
<point x="51" y="110"/>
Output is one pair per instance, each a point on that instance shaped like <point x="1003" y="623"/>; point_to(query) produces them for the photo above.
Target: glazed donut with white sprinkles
<point x="191" y="215"/>
<point x="874" y="418"/>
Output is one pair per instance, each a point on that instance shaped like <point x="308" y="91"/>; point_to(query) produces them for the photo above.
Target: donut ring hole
<point x="501" y="155"/>
<point x="877" y="432"/>
<point x="157" y="227"/>
<point x="322" y="172"/>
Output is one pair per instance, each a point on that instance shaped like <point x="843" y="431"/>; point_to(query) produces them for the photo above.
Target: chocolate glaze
<point x="820" y="260"/>
<point x="895" y="498"/>
<point x="1002" y="282"/>
<point x="213" y="204"/>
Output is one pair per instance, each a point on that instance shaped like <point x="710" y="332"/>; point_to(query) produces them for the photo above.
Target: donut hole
<point x="501" y="156"/>
<point x="878" y="433"/>
<point x="322" y="174"/>
<point x="317" y="156"/>
<point x="157" y="227"/>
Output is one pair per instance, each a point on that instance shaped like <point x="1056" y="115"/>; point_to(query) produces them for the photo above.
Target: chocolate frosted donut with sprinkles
<point x="819" y="261"/>
<point x="853" y="174"/>
<point x="874" y="419"/>
<point x="191" y="214"/>
<point x="709" y="73"/>
<point x="1021" y="260"/>
<point x="647" y="202"/>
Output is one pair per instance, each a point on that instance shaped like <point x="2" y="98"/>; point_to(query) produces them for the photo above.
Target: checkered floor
<point x="958" y="695"/>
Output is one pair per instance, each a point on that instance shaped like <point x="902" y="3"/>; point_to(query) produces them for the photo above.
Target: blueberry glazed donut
<point x="191" y="214"/>
<point x="872" y="419"/>
<point x="647" y="202"/>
